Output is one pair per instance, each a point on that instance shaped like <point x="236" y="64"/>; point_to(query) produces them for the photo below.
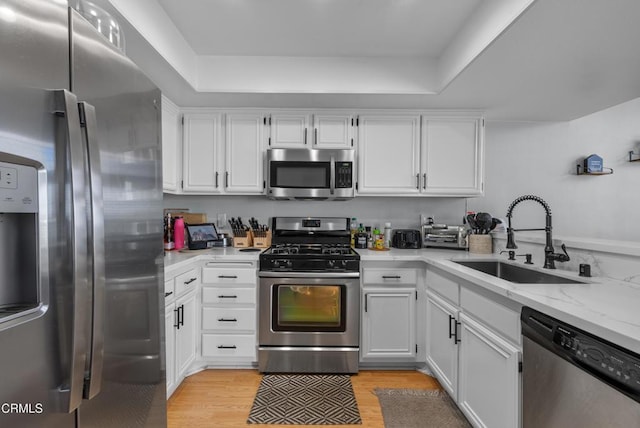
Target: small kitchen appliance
<point x="304" y="174"/>
<point x="309" y="298"/>
<point x="406" y="239"/>
<point x="445" y="236"/>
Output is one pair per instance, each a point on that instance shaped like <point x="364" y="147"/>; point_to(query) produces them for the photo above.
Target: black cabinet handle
<point x="227" y="297"/>
<point x="181" y="313"/>
<point x="227" y="320"/>
<point x="226" y="179"/>
<point x="391" y="277"/>
<point x="177" y="318"/>
<point x="228" y="276"/>
<point x="456" y="339"/>
<point x="418" y="181"/>
<point x="190" y="281"/>
<point x="450" y="329"/>
<point x="424" y="181"/>
<point x="216" y="179"/>
<point x="315" y="136"/>
<point x="168" y="294"/>
<point x="366" y="301"/>
<point x="305" y="136"/>
<point x="227" y="347"/>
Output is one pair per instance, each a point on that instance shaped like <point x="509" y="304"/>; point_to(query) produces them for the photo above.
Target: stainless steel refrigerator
<point x="81" y="257"/>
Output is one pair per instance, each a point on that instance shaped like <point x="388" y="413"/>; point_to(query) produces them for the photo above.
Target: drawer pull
<point x="228" y="276"/>
<point x="227" y="320"/>
<point x="222" y="296"/>
<point x="391" y="277"/>
<point x="450" y="329"/>
<point x="168" y="294"/>
<point x="190" y="281"/>
<point x="227" y="347"/>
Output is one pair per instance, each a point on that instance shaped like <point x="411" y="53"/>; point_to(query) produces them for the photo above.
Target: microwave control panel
<point x="344" y="175"/>
<point x="18" y="188"/>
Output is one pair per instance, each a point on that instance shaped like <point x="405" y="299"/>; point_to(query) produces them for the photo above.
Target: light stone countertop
<point x="602" y="306"/>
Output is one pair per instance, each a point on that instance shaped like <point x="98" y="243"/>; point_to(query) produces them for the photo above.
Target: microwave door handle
<point x="71" y="389"/>
<point x="93" y="381"/>
<point x="332" y="178"/>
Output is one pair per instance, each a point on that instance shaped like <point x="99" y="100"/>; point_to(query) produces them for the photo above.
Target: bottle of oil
<point x="354" y="230"/>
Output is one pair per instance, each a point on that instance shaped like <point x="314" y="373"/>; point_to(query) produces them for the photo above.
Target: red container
<point x="178" y="233"/>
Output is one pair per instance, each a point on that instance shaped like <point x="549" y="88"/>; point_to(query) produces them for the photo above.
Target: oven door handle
<point x="309" y="274"/>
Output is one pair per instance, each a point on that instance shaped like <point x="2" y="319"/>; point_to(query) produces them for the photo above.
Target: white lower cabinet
<point x="228" y="329"/>
<point x="472" y="351"/>
<point x="489" y="386"/>
<point x="180" y="321"/>
<point x="388" y="330"/>
<point x="442" y="349"/>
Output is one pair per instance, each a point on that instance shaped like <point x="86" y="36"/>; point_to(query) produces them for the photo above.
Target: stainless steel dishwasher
<point x="572" y="378"/>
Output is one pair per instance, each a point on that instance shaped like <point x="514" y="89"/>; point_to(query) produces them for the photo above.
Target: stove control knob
<point x="331" y="263"/>
<point x="289" y="263"/>
<point x="276" y="263"/>
<point x="343" y="263"/>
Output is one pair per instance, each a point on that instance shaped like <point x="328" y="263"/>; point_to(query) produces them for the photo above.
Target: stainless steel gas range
<point x="309" y="298"/>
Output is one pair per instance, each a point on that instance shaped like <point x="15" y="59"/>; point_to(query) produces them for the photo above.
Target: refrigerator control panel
<point x="18" y="188"/>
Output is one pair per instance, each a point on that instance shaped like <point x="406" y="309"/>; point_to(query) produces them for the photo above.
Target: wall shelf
<point x="634" y="157"/>
<point x="580" y="171"/>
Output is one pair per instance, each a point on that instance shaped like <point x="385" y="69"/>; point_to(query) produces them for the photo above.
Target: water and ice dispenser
<point x="20" y="288"/>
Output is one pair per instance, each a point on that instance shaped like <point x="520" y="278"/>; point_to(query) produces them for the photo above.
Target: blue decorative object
<point x="592" y="163"/>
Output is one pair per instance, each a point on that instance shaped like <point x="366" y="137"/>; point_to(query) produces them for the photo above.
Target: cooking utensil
<point x="484" y="220"/>
<point x="471" y="219"/>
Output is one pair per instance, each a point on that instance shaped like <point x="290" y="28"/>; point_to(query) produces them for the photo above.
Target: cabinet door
<point x="170" y="144"/>
<point x="186" y="333"/>
<point x="170" y="347"/>
<point x="289" y="130"/>
<point x="452" y="157"/>
<point x="200" y="168"/>
<point x="243" y="153"/>
<point x="389" y="155"/>
<point x="489" y="377"/>
<point x="388" y="328"/>
<point x="331" y="131"/>
<point x="442" y="351"/>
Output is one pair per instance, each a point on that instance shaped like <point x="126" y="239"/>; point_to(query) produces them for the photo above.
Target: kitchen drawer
<point x="444" y="286"/>
<point x="229" y="319"/>
<point x="228" y="295"/>
<point x="494" y="315"/>
<point x="390" y="276"/>
<point x="169" y="293"/>
<point x="229" y="345"/>
<point x="186" y="281"/>
<point x="228" y="274"/>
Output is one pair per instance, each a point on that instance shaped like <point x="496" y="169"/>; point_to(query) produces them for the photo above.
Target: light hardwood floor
<point x="223" y="398"/>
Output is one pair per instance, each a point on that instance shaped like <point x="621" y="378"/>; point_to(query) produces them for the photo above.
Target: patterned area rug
<point x="417" y="408"/>
<point x="305" y="400"/>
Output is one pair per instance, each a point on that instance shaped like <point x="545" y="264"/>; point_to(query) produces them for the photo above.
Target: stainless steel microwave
<point x="310" y="174"/>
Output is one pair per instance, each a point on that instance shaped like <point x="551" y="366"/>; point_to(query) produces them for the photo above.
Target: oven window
<point x="309" y="307"/>
<point x="301" y="175"/>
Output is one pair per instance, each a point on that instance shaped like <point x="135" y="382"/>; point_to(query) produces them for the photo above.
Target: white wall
<point x="402" y="212"/>
<point x="541" y="158"/>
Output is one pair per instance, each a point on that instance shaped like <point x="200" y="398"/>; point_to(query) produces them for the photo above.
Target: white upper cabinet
<point x="244" y="147"/>
<point x="289" y="130"/>
<point x="170" y="146"/>
<point x="201" y="152"/>
<point x="333" y="131"/>
<point x="388" y="154"/>
<point x="451" y="160"/>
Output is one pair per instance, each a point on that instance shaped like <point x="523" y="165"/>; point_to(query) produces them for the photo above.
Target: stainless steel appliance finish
<point x="444" y="236"/>
<point x="82" y="342"/>
<point x="309" y="298"/>
<point x="574" y="379"/>
<point x="310" y="174"/>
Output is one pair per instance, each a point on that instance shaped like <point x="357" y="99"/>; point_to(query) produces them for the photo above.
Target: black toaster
<point x="406" y="238"/>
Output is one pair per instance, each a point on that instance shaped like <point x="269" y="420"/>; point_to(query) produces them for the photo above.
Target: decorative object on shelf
<point x="592" y="165"/>
<point x="633" y="156"/>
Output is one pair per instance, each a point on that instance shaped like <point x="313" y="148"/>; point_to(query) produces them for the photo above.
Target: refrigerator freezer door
<point x="127" y="117"/>
<point x="35" y="357"/>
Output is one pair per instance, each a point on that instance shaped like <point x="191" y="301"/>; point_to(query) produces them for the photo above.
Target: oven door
<point x="319" y="309"/>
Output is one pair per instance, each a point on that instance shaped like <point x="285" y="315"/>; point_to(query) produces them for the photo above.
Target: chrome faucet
<point x="549" y="255"/>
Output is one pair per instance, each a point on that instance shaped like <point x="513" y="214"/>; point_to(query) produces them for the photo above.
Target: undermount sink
<point x="515" y="273"/>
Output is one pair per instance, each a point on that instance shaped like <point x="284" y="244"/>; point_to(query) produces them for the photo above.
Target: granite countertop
<point x="602" y="306"/>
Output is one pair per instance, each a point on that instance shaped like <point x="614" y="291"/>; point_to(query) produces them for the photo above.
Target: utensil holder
<point x="243" y="241"/>
<point x="261" y="239"/>
<point x="480" y="244"/>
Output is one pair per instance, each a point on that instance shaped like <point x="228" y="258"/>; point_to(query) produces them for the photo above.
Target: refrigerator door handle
<point x="93" y="376"/>
<point x="72" y="387"/>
